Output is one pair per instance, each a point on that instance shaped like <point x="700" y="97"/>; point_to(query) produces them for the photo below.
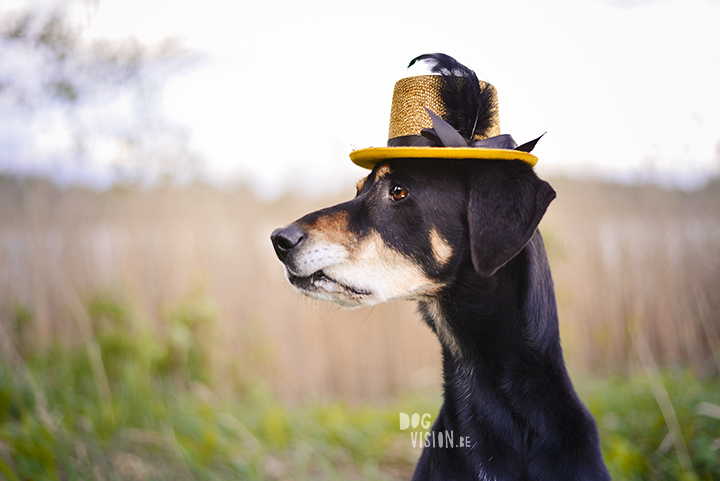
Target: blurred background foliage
<point x="147" y="332"/>
<point x="99" y="95"/>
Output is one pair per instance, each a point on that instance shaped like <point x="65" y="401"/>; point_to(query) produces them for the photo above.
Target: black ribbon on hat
<point x="445" y="135"/>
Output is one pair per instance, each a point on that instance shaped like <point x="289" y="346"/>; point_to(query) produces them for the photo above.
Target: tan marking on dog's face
<point x="382" y="171"/>
<point x="441" y="249"/>
<point x="375" y="267"/>
<point x="332" y="228"/>
<point x="361" y="184"/>
<point x="328" y="240"/>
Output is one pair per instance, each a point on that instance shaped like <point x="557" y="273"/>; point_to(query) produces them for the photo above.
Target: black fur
<point x="469" y="105"/>
<point x="506" y="389"/>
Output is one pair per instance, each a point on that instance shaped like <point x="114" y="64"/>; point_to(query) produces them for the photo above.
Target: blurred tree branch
<point x="102" y="93"/>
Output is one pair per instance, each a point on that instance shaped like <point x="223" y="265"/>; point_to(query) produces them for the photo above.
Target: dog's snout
<point x="286" y="239"/>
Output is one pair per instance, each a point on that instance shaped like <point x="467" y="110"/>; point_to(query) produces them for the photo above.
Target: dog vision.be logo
<point x="421" y="437"/>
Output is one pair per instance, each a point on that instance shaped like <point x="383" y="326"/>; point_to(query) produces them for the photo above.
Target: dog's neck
<point x="479" y="318"/>
<point x="504" y="376"/>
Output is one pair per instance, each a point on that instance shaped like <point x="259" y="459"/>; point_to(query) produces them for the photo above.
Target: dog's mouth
<point x="319" y="283"/>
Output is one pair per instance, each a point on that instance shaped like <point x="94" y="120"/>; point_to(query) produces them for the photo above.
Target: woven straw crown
<point x="412" y="95"/>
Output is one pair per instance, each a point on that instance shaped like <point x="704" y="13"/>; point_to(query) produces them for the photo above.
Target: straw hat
<point x="449" y="114"/>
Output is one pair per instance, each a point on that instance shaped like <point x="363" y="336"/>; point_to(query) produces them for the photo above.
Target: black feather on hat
<point x="470" y="105"/>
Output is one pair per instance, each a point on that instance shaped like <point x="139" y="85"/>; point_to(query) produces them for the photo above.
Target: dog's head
<point x="411" y="226"/>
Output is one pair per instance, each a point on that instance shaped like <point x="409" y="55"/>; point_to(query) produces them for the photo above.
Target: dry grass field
<point x="637" y="260"/>
<point x="629" y="263"/>
<point x="150" y="334"/>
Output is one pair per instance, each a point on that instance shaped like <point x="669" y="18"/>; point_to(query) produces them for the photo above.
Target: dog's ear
<point x="506" y="202"/>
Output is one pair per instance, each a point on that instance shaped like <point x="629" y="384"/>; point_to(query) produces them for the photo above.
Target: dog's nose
<point x="286" y="239"/>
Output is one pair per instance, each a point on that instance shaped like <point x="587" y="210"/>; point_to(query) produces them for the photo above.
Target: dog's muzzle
<point x="285" y="239"/>
<point x="305" y="262"/>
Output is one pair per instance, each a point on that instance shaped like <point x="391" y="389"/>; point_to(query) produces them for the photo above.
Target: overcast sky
<point x="288" y="88"/>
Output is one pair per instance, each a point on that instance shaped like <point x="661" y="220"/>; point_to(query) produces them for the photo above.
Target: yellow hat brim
<point x="367" y="158"/>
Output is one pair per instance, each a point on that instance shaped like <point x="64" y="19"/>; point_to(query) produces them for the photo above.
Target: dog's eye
<point x="398" y="192"/>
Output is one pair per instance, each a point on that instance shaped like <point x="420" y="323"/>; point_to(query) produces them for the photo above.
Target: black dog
<point x="461" y="238"/>
<point x="448" y="217"/>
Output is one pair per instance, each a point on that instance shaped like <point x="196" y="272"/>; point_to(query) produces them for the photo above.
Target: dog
<point x="460" y="237"/>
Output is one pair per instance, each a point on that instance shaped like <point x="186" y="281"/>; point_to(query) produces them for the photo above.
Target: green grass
<point x="128" y="404"/>
<point x="635" y="435"/>
<point x="144" y="409"/>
